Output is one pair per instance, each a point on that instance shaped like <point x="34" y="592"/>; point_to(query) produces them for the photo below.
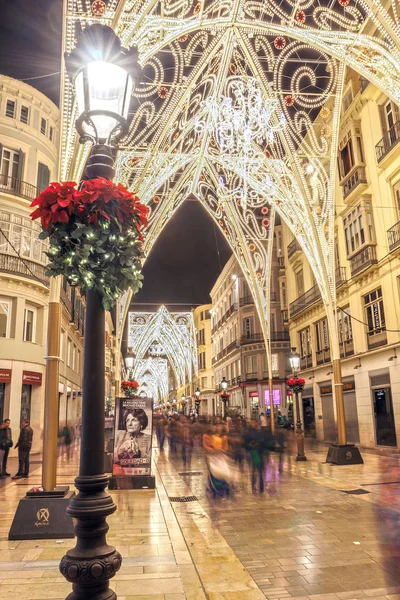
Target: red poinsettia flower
<point x="55" y="204"/>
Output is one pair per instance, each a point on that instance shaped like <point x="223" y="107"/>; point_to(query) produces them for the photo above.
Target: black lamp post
<point x="101" y="71"/>
<point x="224" y="387"/>
<point x="295" y="364"/>
<point x="197" y="401"/>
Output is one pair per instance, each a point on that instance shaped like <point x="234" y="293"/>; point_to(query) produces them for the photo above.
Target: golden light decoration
<point x="325" y="112"/>
<point x="252" y="247"/>
<point x="326" y="131"/>
<point x="156" y="199"/>
<point x="98" y="8"/>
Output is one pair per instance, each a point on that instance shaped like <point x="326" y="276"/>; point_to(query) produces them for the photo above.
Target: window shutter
<point x="383" y="118"/>
<point x="43" y="177"/>
<point x="1" y="155"/>
<point x="20" y="165"/>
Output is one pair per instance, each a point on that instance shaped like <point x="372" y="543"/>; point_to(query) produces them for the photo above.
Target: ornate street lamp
<point x="183" y="402"/>
<point x="101" y="71"/>
<point x="197" y="402"/>
<point x="297" y="384"/>
<point x="224" y="396"/>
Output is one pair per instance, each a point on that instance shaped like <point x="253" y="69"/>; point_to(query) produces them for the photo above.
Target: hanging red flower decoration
<point x="296" y="384"/>
<point x="225" y="397"/>
<point x="129" y="387"/>
<point x="163" y="93"/>
<point x="301" y="16"/>
<point x="289" y="100"/>
<point x="279" y="42"/>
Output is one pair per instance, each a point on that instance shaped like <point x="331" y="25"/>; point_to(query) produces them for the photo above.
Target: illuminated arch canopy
<point x="296" y="50"/>
<point x="169" y="336"/>
<point x="152" y="373"/>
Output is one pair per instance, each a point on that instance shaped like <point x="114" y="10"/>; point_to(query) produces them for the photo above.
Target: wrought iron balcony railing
<point x="306" y="361"/>
<point x="355" y="179"/>
<point x="346" y="348"/>
<point x="376" y="338"/>
<point x="394" y="237"/>
<point x="323" y="356"/>
<point x="389" y="141"/>
<point x="309" y="297"/>
<point x="25" y="267"/>
<point x="293" y="247"/>
<point x="11" y="185"/>
<point x="244" y="300"/>
<point x="364" y="259"/>
<point x="340" y="276"/>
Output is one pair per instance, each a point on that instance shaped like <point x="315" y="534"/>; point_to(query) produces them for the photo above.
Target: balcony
<point x="388" y="142"/>
<point x="323" y="356"/>
<point x="340" y="276"/>
<point x="293" y="248"/>
<point x="346" y="348"/>
<point x="306" y="361"/>
<point x="351" y="183"/>
<point x="363" y="260"/>
<point x="394" y="237"/>
<point x="304" y="301"/>
<point x="252" y="338"/>
<point x="11" y="185"/>
<point x="280" y="336"/>
<point x="27" y="268"/>
<point x="232" y="346"/>
<point x="376" y="338"/>
<point x="245" y="300"/>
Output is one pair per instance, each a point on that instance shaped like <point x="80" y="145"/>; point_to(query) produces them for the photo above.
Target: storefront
<point x="307" y="396"/>
<point x="350" y="409"/>
<point x="385" y="430"/>
<point x="5" y="379"/>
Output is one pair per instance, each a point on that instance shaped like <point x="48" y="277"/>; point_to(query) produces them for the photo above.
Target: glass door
<point x="384" y="418"/>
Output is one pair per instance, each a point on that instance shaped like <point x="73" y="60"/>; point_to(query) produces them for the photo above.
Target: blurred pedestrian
<point x="24" y="446"/>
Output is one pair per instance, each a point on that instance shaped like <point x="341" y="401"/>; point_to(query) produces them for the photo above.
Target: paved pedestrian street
<point x="319" y="532"/>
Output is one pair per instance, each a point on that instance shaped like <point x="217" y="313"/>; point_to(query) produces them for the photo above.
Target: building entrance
<point x="384" y="418"/>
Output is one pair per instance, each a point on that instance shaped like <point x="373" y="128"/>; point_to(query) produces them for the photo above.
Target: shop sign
<point x="5" y="375"/>
<point x="347" y="387"/>
<point x="31" y="378"/>
<point x="253" y="394"/>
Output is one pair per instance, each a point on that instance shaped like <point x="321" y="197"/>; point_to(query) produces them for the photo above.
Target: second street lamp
<point x="224" y="395"/>
<point x="197" y="400"/>
<point x="296" y="385"/>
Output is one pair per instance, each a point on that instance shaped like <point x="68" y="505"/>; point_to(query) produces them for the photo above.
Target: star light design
<point x="296" y="53"/>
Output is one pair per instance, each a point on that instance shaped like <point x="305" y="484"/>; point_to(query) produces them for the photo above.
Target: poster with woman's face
<point x="133" y="436"/>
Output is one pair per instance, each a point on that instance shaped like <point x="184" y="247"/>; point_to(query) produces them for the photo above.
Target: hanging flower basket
<point x="95" y="235"/>
<point x="129" y="388"/>
<point x="224" y="397"/>
<point x="296" y="384"/>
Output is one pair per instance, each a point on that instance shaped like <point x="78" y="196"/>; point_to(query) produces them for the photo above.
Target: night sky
<point x="188" y="256"/>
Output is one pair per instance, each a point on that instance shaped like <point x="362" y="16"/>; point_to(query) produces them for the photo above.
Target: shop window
<point x="5" y="316"/>
<point x="26" y="399"/>
<point x="24" y="115"/>
<point x="29" y="324"/>
<point x="10" y="109"/>
<point x="358" y="228"/>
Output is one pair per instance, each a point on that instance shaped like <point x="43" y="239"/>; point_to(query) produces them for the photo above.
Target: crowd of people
<point x="228" y="445"/>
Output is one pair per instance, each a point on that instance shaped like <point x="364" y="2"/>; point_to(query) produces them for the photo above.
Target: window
<point x="62" y="335"/>
<point x="396" y="193"/>
<point x="202" y="360"/>
<point x="10" y="109"/>
<point x="23" y="235"/>
<point x="346" y="159"/>
<point x="344" y="325"/>
<point x="11" y="165"/>
<point x="26" y="397"/>
<point x="51" y="133"/>
<point x="347" y="99"/>
<point x="305" y="342"/>
<point x="43" y="126"/>
<point x="78" y="362"/>
<point x="5" y="316"/>
<point x="201" y="337"/>
<point x="391" y="114"/>
<point x="24" y="115"/>
<point x="29" y="324"/>
<point x="300" y="282"/>
<point x="204" y="383"/>
<point x="321" y="335"/>
<point x="358" y="228"/>
<point x="43" y="177"/>
<point x="274" y="365"/>
<point x="251" y="366"/>
<point x="374" y="311"/>
<point x="248" y="327"/>
<point x="69" y="352"/>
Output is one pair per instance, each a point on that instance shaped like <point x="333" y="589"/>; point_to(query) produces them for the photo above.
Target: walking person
<point x="5" y="444"/>
<point x="24" y="446"/>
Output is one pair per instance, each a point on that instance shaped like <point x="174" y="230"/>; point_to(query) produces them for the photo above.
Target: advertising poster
<point x="133" y="436"/>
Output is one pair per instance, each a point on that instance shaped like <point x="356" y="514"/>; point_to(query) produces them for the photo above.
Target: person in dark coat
<point x="24" y="446"/>
<point x="5" y="444"/>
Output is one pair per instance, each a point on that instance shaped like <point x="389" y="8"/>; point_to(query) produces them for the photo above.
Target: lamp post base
<point x="300" y="446"/>
<point x="344" y="454"/>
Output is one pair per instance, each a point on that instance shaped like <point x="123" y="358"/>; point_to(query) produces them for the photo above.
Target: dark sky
<point x="183" y="264"/>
